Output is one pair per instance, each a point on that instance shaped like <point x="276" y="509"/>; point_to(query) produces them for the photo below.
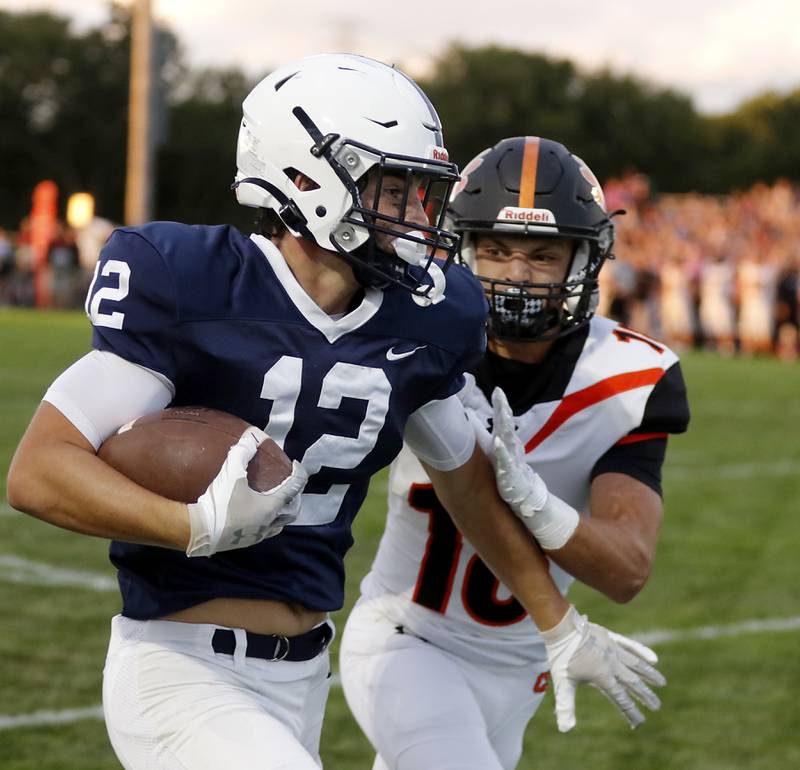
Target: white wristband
<point x="571" y="621"/>
<point x="554" y="523"/>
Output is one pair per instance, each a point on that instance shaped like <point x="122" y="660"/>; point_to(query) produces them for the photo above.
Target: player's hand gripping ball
<point x="239" y="485"/>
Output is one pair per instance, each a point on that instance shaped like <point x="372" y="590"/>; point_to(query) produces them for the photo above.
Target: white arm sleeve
<point x="101" y="391"/>
<point x="440" y="435"/>
<point x="483" y="437"/>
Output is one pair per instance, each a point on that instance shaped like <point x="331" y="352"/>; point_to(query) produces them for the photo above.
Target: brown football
<point x="177" y="452"/>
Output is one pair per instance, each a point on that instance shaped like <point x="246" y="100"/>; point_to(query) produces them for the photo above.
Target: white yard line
<point x="655" y="637"/>
<point x="15" y="569"/>
<point x="38" y="718"/>
<point x="665" y="636"/>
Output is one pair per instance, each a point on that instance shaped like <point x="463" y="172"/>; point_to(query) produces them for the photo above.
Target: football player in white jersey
<point x="441" y="665"/>
<point x="337" y="339"/>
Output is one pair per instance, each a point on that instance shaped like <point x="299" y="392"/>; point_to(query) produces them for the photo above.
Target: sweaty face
<point x="523" y="258"/>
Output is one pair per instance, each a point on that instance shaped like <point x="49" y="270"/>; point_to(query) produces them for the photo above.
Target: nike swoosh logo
<point x="392" y="356"/>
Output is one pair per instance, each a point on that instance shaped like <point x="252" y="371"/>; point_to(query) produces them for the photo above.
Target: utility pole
<point x="139" y="177"/>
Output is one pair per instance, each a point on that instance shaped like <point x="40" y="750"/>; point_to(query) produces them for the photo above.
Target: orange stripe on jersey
<point x="634" y="438"/>
<point x="594" y="394"/>
<point x="527" y="178"/>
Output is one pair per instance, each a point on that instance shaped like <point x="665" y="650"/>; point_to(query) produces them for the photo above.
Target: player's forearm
<point x="613" y="549"/>
<point x="66" y="484"/>
<point x="502" y="541"/>
<point x="515" y="559"/>
<point x="608" y="557"/>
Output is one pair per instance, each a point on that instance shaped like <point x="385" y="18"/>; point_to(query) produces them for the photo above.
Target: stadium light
<point x="80" y="210"/>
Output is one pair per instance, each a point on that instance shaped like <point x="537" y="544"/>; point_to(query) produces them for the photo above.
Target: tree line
<point x="63" y="116"/>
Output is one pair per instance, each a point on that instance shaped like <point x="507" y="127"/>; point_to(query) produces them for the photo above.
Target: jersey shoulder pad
<point x="203" y="261"/>
<point x="629" y="348"/>
<point x="457" y="324"/>
<point x="146" y="280"/>
<point x="463" y="314"/>
<point x="667" y="408"/>
<point x="133" y="288"/>
<point x="635" y="354"/>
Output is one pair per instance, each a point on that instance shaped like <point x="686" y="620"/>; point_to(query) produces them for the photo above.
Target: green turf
<point x="727" y="554"/>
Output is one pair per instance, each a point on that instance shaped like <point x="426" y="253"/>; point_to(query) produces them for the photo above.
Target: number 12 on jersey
<point x="282" y="384"/>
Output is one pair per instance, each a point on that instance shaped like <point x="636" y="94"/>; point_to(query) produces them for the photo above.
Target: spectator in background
<point x="63" y="260"/>
<point x="21" y="291"/>
<point x="717" y="313"/>
<point x="788" y="312"/>
<point x="757" y="278"/>
<point x="6" y="265"/>
<point x="6" y="252"/>
<point x="677" y="317"/>
<point x="617" y="287"/>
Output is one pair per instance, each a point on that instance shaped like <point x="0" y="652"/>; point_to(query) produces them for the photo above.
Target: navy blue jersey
<point x="223" y="318"/>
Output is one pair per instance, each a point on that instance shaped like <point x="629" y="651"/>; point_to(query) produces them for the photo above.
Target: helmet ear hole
<point x="299" y="180"/>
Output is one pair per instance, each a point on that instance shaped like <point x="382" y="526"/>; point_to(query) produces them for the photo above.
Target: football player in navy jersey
<point x="342" y="329"/>
<point x="442" y="666"/>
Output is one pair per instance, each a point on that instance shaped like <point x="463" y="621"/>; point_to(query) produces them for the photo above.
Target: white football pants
<point x="172" y="703"/>
<point x="422" y="707"/>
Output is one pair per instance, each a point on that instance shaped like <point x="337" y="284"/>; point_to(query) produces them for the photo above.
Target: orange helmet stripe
<point x="527" y="181"/>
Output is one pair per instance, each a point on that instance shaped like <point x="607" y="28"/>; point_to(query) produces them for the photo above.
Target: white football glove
<point x="583" y="652"/>
<point x="550" y="520"/>
<point x="231" y="514"/>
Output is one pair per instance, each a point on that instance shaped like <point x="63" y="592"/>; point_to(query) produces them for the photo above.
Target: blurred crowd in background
<point x="718" y="272"/>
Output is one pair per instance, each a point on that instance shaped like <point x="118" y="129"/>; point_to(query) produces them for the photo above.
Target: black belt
<point x="273" y="647"/>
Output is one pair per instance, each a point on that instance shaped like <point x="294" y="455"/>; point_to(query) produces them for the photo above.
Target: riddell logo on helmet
<point x="541" y="216"/>
<point x="438" y="153"/>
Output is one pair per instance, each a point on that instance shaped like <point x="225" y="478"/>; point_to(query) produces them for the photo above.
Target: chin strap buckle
<point x="322" y="145"/>
<point x="292" y="217"/>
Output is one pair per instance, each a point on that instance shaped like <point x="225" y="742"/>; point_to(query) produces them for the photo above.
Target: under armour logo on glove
<point x="239" y="535"/>
<point x="231" y="514"/>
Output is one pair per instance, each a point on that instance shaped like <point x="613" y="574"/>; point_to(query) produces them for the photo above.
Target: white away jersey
<point x="431" y="581"/>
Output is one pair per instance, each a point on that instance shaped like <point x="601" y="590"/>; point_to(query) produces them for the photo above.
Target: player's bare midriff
<point x="261" y="616"/>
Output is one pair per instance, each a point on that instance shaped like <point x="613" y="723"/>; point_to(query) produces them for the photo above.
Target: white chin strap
<point x="416" y="255"/>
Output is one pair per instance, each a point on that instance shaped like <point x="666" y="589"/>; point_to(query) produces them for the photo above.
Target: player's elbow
<point x="24" y="483"/>
<point x="624" y="592"/>
<point x="18" y="486"/>
<point x="632" y="580"/>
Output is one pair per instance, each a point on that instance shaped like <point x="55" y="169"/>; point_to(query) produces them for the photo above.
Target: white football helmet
<point x="333" y="118"/>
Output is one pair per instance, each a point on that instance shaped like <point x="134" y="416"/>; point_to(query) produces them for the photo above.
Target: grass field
<point x="728" y="556"/>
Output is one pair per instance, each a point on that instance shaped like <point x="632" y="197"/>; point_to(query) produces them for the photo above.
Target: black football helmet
<point x="533" y="186"/>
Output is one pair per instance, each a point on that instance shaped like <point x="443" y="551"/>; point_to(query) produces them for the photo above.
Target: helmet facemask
<point x="528" y="311"/>
<point x="395" y="250"/>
